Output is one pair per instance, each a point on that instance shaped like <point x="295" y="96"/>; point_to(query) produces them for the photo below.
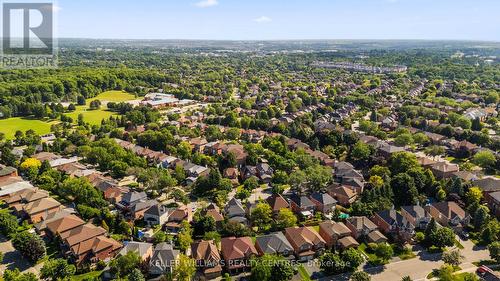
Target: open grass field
<point x="94" y="117"/>
<point x="114" y="96"/>
<point x="11" y="125"/>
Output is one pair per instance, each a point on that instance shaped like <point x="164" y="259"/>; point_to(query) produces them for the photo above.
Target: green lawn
<point x="11" y="125"/>
<point x="115" y="96"/>
<point x="304" y="274"/>
<point x="94" y="117"/>
<point x="88" y="275"/>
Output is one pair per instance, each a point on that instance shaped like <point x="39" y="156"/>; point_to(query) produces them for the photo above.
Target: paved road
<point x="418" y="268"/>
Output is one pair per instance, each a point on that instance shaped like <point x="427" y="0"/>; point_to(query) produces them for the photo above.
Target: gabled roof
<point x="299" y="236"/>
<point x="41" y="205"/>
<point x="53" y="217"/>
<point x="392" y="217"/>
<point x="158" y="210"/>
<point x="133" y="196"/>
<point x="343" y="191"/>
<point x="302" y="201"/>
<point x="323" y="198"/>
<point x="205" y="250"/>
<point x="82" y="233"/>
<point x="237" y="248"/>
<point x="334" y="228"/>
<point x="273" y="243"/>
<point x="64" y="224"/>
<point x="234" y="207"/>
<point x="140" y="248"/>
<point x="415" y="211"/>
<point x="165" y="254"/>
<point x="488" y="184"/>
<point x="450" y="209"/>
<point x="361" y="222"/>
<point x="277" y="202"/>
<point x="348" y="242"/>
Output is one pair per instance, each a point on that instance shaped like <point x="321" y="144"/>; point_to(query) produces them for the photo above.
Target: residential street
<point x="418" y="268"/>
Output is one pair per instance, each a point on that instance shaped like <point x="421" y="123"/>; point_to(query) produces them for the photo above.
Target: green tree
<point x="485" y="159"/>
<point x="405" y="191"/>
<point x="494" y="249"/>
<point x="16" y="275"/>
<point x="57" y="269"/>
<point x="361" y="151"/>
<point x="384" y="251"/>
<point x="124" y="265"/>
<point x="443" y="237"/>
<point x="285" y="218"/>
<point x="8" y="224"/>
<point x="352" y="258"/>
<point x="136" y="275"/>
<point x="453" y="257"/>
<point x="360" y="276"/>
<point x="184" y="237"/>
<point x="331" y="263"/>
<point x="401" y="162"/>
<point x="30" y="245"/>
<point x="481" y="217"/>
<point x="251" y="183"/>
<point x="261" y="215"/>
<point x="185" y="268"/>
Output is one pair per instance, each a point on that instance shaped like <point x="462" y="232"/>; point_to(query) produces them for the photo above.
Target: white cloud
<point x="206" y="3"/>
<point x="262" y="19"/>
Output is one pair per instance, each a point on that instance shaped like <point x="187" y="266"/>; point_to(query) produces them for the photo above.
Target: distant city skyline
<point x="279" y="19"/>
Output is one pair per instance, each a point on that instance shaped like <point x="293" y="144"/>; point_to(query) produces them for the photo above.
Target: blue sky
<point x="280" y="19"/>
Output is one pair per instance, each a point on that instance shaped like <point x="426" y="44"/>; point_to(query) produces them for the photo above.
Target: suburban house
<point x="347" y="242"/>
<point x="360" y="226"/>
<point x="130" y="199"/>
<point x="275" y="244"/>
<point x="449" y="214"/>
<point x="7" y="171"/>
<point x="157" y="215"/>
<point x="393" y="223"/>
<point x="324" y="202"/>
<point x="182" y="213"/>
<point x="332" y="231"/>
<point x="302" y="205"/>
<point x="236" y="253"/>
<point x="54" y="228"/>
<point x="344" y="195"/>
<point x="213" y="211"/>
<point x="443" y="170"/>
<point x="306" y="242"/>
<point x="493" y="200"/>
<point x="207" y="258"/>
<point x="264" y="172"/>
<point x="138" y="209"/>
<point x="37" y="210"/>
<point x="235" y="211"/>
<point x="143" y="250"/>
<point x="277" y="202"/>
<point x="416" y="215"/>
<point x="163" y="259"/>
<point x="376" y="237"/>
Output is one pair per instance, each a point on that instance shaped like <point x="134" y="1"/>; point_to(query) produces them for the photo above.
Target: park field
<point x="94" y="117"/>
<point x="11" y="125"/>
